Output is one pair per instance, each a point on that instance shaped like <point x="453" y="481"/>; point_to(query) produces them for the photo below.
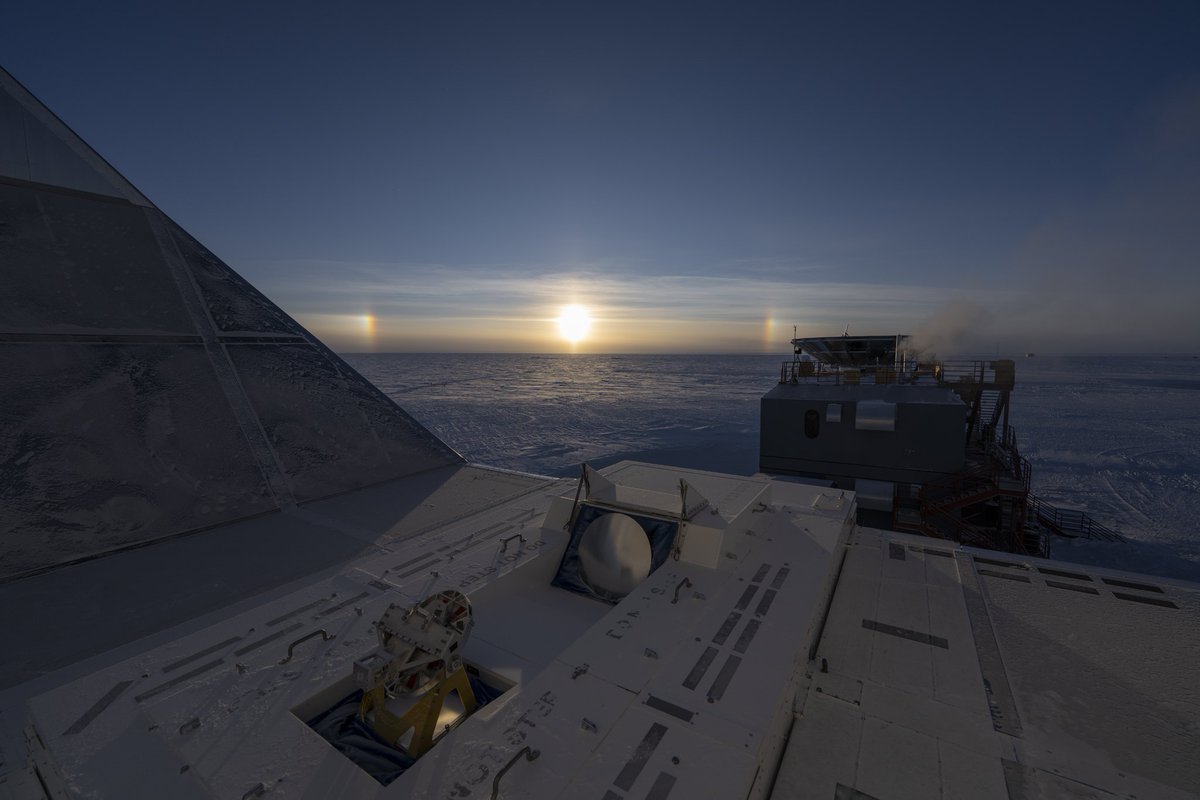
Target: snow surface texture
<point x="1118" y="437"/>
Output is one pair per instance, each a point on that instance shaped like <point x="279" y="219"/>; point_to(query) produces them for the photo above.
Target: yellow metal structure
<point x="422" y="718"/>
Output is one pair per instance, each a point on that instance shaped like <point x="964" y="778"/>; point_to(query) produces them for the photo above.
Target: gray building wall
<point x="927" y="441"/>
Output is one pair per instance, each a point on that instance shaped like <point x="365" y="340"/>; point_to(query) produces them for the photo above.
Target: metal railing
<point x="1040" y="544"/>
<point x="1000" y="458"/>
<point x="944" y="525"/>
<point x="944" y="373"/>
<point x="816" y="372"/>
<point x="808" y="372"/>
<point x="1070" y="523"/>
<point x="1010" y="462"/>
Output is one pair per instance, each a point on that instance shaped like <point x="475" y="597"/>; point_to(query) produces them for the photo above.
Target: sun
<point x="573" y="323"/>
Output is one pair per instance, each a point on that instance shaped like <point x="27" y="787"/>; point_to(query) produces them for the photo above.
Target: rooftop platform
<point x="957" y="673"/>
<point x="816" y="660"/>
<point x="701" y="659"/>
<point x="82" y="610"/>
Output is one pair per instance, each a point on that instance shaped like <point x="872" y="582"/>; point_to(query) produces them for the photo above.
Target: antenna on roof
<point x="847" y="331"/>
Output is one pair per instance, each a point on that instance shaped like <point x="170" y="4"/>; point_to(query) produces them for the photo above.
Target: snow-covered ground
<point x="1118" y="437"/>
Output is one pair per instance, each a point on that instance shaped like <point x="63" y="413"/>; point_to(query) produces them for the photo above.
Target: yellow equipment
<point x="418" y="664"/>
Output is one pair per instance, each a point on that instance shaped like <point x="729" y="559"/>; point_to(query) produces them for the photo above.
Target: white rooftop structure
<point x="210" y="523"/>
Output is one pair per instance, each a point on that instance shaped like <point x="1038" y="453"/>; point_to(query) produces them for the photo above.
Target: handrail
<point x="504" y="542"/>
<point x="682" y="585"/>
<point x="1043" y="544"/>
<point x="325" y="637"/>
<point x="1071" y="523"/>
<point x="967" y="533"/>
<point x="945" y="373"/>
<point x="809" y="371"/>
<point x="530" y="755"/>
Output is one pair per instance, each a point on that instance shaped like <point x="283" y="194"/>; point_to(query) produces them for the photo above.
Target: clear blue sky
<point x="699" y="176"/>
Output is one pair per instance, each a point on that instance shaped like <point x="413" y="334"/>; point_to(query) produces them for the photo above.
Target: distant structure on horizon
<point x="925" y="444"/>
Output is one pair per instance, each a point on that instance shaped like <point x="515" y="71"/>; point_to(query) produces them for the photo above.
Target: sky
<point x="697" y="177"/>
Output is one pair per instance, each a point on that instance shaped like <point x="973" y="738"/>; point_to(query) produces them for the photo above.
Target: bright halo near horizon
<point x="574" y="323"/>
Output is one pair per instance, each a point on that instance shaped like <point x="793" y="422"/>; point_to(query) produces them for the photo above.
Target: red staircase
<point x="985" y="505"/>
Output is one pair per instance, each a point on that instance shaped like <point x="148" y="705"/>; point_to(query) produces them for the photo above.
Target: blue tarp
<point x="660" y="533"/>
<point x="355" y="739"/>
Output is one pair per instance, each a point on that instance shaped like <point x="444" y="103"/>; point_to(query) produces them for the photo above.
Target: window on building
<point x="812" y="423"/>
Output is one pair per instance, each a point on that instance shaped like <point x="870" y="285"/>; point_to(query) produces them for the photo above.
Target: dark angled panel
<point x="124" y="418"/>
<point x="52" y="161"/>
<point x="73" y="264"/>
<point x="106" y="446"/>
<point x="331" y="430"/>
<point x="36" y="146"/>
<point x="14" y="163"/>
<point x="234" y="305"/>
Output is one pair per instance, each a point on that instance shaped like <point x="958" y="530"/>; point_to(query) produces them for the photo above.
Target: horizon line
<point x="976" y="355"/>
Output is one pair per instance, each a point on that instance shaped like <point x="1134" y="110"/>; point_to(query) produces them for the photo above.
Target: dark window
<point x="812" y="423"/>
